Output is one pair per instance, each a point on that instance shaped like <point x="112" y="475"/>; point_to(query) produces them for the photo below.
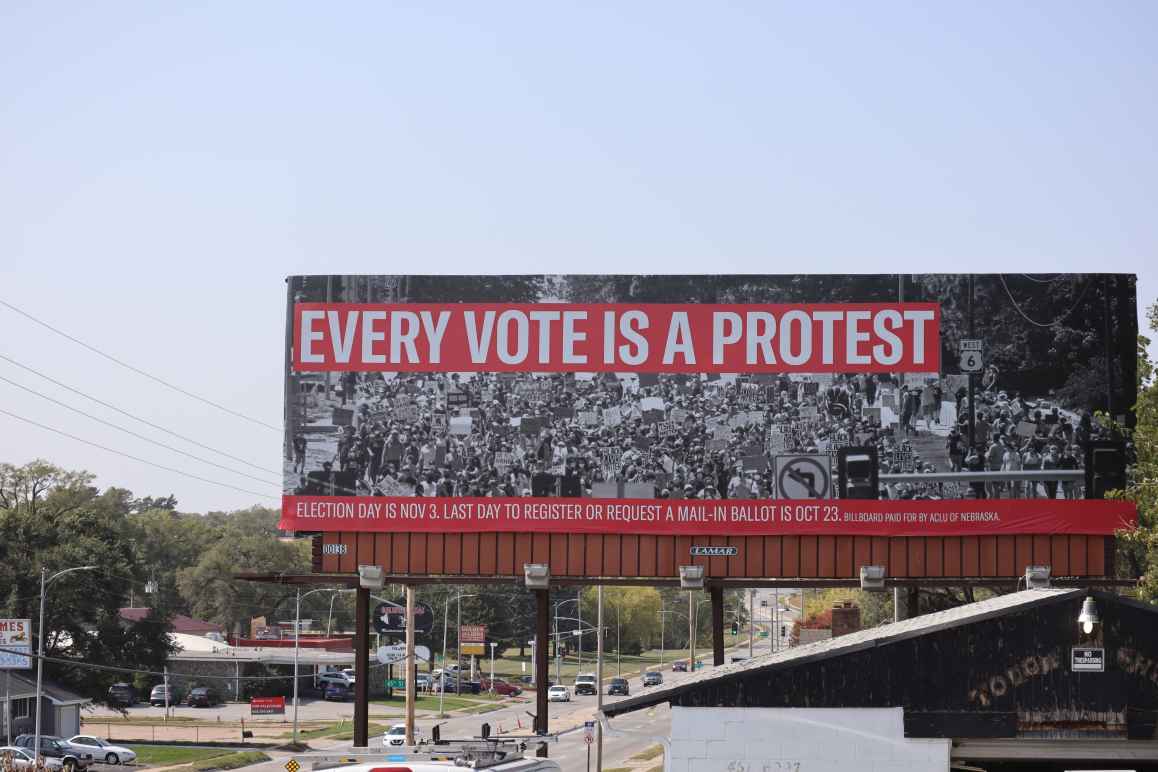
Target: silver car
<point x="22" y="759"/>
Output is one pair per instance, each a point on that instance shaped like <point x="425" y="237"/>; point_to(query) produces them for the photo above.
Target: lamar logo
<point x="714" y="552"/>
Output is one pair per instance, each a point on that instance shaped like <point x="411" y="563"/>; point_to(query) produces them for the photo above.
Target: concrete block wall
<point x="799" y="740"/>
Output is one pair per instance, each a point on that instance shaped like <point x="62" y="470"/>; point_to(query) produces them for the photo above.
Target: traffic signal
<point x="1105" y="467"/>
<point x="735" y="628"/>
<point x="857" y="471"/>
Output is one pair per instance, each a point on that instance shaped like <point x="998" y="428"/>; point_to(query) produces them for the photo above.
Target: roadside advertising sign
<point x="710" y="411"/>
<point x="15" y="644"/>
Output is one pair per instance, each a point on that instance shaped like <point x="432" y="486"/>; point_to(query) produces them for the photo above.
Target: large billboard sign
<point x="700" y="406"/>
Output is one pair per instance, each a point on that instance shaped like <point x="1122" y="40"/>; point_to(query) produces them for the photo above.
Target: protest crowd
<point x="666" y="436"/>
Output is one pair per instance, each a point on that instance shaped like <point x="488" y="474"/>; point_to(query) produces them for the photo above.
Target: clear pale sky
<point x="162" y="168"/>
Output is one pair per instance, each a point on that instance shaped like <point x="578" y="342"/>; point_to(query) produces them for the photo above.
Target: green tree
<point x="1138" y="551"/>
<point x="54" y="519"/>
<point x="246" y="540"/>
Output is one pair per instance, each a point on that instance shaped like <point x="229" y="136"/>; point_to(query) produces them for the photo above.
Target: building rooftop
<point x="845" y="644"/>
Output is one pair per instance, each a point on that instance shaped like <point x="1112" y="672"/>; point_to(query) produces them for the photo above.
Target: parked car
<point x="585" y="684"/>
<point x="202" y="697"/>
<point x="423" y="682"/>
<point x="157" y="697"/>
<point x="499" y="686"/>
<point x="22" y="759"/>
<point x="448" y="684"/>
<point x="652" y="678"/>
<point x="338" y="693"/>
<point x="395" y="736"/>
<point x="103" y="750"/>
<point x="122" y="694"/>
<point x="335" y="677"/>
<point x="618" y="686"/>
<point x="559" y="693"/>
<point x="58" y="748"/>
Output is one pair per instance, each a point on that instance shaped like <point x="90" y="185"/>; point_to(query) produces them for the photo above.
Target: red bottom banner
<point x="694" y="517"/>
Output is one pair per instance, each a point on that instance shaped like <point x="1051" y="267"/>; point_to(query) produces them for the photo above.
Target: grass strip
<point x="647" y="754"/>
<point x="232" y="760"/>
<point x="163" y="756"/>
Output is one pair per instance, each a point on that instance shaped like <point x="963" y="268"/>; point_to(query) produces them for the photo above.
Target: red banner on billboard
<point x="692" y="517"/>
<point x="652" y="338"/>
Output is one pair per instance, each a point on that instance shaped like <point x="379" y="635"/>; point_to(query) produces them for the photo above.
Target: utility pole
<point x="411" y="666"/>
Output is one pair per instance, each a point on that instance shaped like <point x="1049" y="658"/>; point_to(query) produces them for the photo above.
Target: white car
<point x="103" y="750"/>
<point x="558" y="693"/>
<point x="336" y="677"/>
<point x="395" y="736"/>
<point x="22" y="759"/>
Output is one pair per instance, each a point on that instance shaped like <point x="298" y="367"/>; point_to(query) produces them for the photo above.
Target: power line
<point x="138" y="370"/>
<point x="127" y="414"/>
<point x="135" y="458"/>
<point x="160" y="673"/>
<point x="1028" y="318"/>
<point x="131" y="433"/>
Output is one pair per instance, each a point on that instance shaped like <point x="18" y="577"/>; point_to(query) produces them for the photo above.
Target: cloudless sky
<point x="163" y="166"/>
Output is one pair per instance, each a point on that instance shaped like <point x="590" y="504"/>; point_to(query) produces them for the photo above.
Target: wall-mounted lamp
<point x="1089" y="616"/>
<point x="872" y="578"/>
<point x="370" y="577"/>
<point x="1037" y="577"/>
<point x="692" y="577"/>
<point x="537" y="576"/>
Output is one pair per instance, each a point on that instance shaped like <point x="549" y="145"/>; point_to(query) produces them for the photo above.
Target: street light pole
<point x="297" y="656"/>
<point x="751" y="622"/>
<point x="297" y="644"/>
<point x="579" y="616"/>
<point x="442" y="676"/>
<point x="45" y="580"/>
<point x="691" y="633"/>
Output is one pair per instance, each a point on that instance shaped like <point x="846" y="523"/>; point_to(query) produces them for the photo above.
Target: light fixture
<point x="370" y="577"/>
<point x="1089" y="616"/>
<point x="1037" y="577"/>
<point x="537" y="576"/>
<point x="692" y="577"/>
<point x="872" y="578"/>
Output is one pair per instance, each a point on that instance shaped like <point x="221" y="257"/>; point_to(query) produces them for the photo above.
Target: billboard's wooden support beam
<point x="717" y="594"/>
<point x="734" y="583"/>
<point x="542" y="636"/>
<point x="362" y="668"/>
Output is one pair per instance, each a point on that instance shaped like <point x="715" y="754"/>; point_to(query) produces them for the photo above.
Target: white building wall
<point x="799" y="740"/>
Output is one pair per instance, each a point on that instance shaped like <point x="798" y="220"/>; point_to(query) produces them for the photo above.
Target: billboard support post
<point x="411" y="665"/>
<point x="717" y="594"/>
<point x="361" y="667"/>
<point x="542" y="635"/>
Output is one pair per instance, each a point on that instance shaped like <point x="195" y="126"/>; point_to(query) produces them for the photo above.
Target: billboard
<point x="15" y="644"/>
<point x="700" y="406"/>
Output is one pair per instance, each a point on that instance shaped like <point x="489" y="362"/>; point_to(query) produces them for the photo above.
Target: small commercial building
<point x="206" y="662"/>
<point x="1014" y="682"/>
<point x="59" y="708"/>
